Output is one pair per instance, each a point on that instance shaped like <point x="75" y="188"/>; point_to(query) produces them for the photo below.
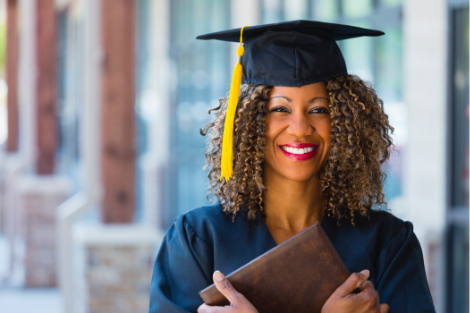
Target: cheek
<point x="327" y="136"/>
<point x="325" y="133"/>
<point x="324" y="129"/>
<point x="272" y="131"/>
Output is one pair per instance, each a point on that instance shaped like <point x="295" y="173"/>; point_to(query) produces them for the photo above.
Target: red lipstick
<point x="299" y="145"/>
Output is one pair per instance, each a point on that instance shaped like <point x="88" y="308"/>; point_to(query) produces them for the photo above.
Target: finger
<point x="384" y="308"/>
<point x="204" y="308"/>
<point x="369" y="297"/>
<point x="354" y="281"/>
<point x="367" y="285"/>
<point x="225" y="287"/>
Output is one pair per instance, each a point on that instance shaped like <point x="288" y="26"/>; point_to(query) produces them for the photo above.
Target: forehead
<point x="306" y="91"/>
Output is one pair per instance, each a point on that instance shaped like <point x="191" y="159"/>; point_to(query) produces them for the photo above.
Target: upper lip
<point x="299" y="145"/>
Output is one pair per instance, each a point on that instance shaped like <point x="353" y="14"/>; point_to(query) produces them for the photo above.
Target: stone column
<point x="118" y="114"/>
<point x="113" y="260"/>
<point x="113" y="267"/>
<point x="39" y="197"/>
<point x="12" y="103"/>
<point x="46" y="87"/>
<point x="425" y="178"/>
<point x="154" y="100"/>
<point x="22" y="14"/>
<point x="38" y="194"/>
<point x="12" y="75"/>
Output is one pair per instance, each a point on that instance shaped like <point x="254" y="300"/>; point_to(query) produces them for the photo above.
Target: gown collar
<point x="263" y="231"/>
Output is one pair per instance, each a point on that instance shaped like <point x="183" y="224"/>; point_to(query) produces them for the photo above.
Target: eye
<point x="279" y="109"/>
<point x="320" y="110"/>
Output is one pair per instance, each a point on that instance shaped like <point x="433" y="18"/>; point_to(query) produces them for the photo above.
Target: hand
<point x="344" y="300"/>
<point x="238" y="303"/>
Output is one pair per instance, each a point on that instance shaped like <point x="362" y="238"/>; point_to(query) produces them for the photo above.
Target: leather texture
<point x="298" y="275"/>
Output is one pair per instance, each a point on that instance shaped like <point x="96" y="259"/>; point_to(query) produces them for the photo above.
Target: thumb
<point x="225" y="287"/>
<point x="384" y="308"/>
<point x="355" y="280"/>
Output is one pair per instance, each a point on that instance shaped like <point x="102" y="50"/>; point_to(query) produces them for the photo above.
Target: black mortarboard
<point x="294" y="53"/>
<point x="291" y="54"/>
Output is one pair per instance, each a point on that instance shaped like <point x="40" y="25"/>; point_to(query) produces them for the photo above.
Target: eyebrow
<point x="290" y="100"/>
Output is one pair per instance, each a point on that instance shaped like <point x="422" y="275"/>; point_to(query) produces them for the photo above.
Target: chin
<point x="300" y="177"/>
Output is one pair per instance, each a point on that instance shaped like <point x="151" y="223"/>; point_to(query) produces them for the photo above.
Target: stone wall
<point x="38" y="199"/>
<point x="113" y="267"/>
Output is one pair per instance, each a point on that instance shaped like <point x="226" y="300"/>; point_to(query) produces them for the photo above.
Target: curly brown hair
<point x="351" y="176"/>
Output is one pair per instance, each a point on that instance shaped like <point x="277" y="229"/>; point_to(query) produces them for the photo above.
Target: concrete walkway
<point x="30" y="300"/>
<point x="20" y="300"/>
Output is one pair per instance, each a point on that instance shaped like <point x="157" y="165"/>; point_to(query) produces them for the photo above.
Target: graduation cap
<point x="292" y="54"/>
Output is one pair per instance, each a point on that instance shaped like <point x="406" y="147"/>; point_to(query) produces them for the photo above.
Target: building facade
<point x="107" y="142"/>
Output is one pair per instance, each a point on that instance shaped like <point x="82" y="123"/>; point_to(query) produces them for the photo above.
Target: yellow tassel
<point x="227" y="142"/>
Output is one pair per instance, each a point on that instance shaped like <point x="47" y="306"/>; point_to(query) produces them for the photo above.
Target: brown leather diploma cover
<point x="298" y="275"/>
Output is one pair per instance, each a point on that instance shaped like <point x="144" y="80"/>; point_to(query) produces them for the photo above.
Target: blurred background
<point x="101" y="102"/>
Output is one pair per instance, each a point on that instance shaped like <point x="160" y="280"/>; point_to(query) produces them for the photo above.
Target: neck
<point x="292" y="205"/>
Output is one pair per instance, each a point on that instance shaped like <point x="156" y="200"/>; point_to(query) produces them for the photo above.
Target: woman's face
<point x="298" y="135"/>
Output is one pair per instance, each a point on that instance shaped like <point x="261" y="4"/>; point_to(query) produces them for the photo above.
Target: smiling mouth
<point x="297" y="150"/>
<point x="300" y="154"/>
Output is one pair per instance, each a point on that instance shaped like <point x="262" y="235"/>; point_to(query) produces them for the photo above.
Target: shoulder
<point x="380" y="221"/>
<point x="377" y="230"/>
<point x="202" y="214"/>
<point x="205" y="217"/>
<point x="387" y="224"/>
<point x="206" y="223"/>
<point x="387" y="232"/>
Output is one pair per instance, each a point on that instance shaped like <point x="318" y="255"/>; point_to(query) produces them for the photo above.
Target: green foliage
<point x="3" y="45"/>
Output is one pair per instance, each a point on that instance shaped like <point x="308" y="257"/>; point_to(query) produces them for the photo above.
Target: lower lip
<point x="300" y="157"/>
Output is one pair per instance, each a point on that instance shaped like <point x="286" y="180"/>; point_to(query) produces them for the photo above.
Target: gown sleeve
<point x="182" y="268"/>
<point x="402" y="282"/>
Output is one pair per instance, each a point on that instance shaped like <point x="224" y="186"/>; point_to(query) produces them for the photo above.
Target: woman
<point x="306" y="148"/>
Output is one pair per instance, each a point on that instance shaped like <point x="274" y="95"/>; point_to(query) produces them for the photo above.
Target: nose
<point x="300" y="125"/>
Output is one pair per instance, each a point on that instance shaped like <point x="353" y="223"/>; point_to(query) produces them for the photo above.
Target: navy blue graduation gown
<point x="205" y="239"/>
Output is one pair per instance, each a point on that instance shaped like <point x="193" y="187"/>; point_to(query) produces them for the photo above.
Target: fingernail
<point x="365" y="272"/>
<point x="218" y="276"/>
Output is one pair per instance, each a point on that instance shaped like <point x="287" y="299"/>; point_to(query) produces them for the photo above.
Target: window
<point x="457" y="228"/>
<point x="203" y="76"/>
<point x="69" y="83"/>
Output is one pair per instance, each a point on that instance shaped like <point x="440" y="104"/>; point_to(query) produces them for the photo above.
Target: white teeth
<point x="298" y="151"/>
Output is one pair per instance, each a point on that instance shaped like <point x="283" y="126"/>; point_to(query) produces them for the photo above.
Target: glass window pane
<point x="271" y="11"/>
<point x="459" y="269"/>
<point x="357" y="8"/>
<point x="201" y="25"/>
<point x="358" y="54"/>
<point x="295" y="10"/>
<point x="203" y="75"/>
<point x="391" y="2"/>
<point x="70" y="73"/>
<point x="460" y="108"/>
<point x="388" y="81"/>
<point x="325" y="10"/>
